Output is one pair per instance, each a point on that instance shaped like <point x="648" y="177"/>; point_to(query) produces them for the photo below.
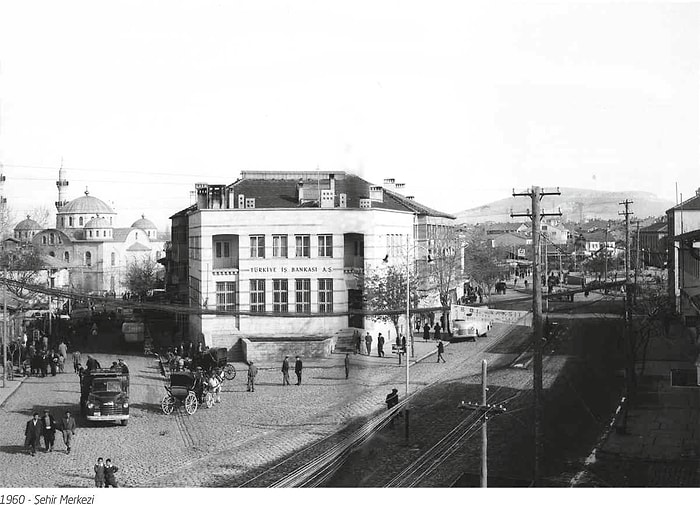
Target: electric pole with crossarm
<point x="630" y="380"/>
<point x="536" y="194"/>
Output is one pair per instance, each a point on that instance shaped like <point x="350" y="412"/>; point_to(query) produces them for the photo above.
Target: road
<point x="225" y="445"/>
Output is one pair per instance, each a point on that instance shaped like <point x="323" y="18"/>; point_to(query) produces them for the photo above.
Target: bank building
<point x="283" y="252"/>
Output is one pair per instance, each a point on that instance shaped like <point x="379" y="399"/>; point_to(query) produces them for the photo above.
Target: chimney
<point x="250" y="203"/>
<point x="300" y="191"/>
<point x="331" y="183"/>
<point x="365" y="203"/>
<point x="342" y="200"/>
<point x="400" y="188"/>
<point x="201" y="189"/>
<point x="241" y="201"/>
<point x="376" y="193"/>
<point x="411" y="197"/>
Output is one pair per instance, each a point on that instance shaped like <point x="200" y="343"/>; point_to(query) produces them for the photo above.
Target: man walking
<point x="440" y="352"/>
<point x="285" y="371"/>
<point x="347" y="365"/>
<point x="48" y="427"/>
<point x="298" y="366"/>
<point x="252" y="372"/>
<point x="32" y="433"/>
<point x="76" y="361"/>
<point x="380" y="346"/>
<point x="358" y="342"/>
<point x="368" y="343"/>
<point x="63" y="356"/>
<point x="67" y="426"/>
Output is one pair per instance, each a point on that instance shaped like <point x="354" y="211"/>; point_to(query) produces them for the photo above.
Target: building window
<point x="279" y="246"/>
<point x="280" y="295"/>
<point x="80" y="221"/>
<point x="257" y="246"/>
<point x="70" y="221"/>
<point x="223" y="249"/>
<point x="325" y="246"/>
<point x="90" y="232"/>
<point x="257" y="295"/>
<point x="66" y="257"/>
<point x="226" y="296"/>
<point x="325" y="295"/>
<point x="52" y="254"/>
<point x="88" y="259"/>
<point x="303" y="294"/>
<point x="195" y="292"/>
<point x="303" y="246"/>
<point x="63" y="222"/>
<point x="113" y="259"/>
<point x="43" y="240"/>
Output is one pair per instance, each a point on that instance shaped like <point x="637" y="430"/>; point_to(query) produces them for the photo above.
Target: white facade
<point x="361" y="238"/>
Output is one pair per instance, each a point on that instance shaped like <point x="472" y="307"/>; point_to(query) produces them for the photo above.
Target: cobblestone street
<point x="218" y="445"/>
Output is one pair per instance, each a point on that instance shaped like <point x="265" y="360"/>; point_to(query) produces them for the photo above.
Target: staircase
<point x="344" y="340"/>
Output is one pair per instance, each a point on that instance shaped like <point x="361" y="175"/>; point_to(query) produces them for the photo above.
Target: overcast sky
<point x="461" y="101"/>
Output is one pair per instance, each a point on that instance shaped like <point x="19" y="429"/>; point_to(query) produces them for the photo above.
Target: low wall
<point x="265" y="350"/>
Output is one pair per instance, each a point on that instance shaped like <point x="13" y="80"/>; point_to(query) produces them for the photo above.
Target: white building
<point x="283" y="248"/>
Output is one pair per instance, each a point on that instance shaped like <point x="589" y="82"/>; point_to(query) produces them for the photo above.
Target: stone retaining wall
<point x="269" y="350"/>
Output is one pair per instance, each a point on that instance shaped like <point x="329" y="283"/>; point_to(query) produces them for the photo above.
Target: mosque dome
<point x="144" y="224"/>
<point x="86" y="205"/>
<point x="97" y="222"/>
<point x="28" y="224"/>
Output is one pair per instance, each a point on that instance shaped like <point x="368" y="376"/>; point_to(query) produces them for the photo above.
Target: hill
<point x="576" y="205"/>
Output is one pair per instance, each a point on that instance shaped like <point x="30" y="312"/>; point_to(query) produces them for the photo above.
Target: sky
<point x="461" y="101"/>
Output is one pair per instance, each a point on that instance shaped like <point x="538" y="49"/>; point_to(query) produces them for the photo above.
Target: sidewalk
<point x="10" y="387"/>
<point x="661" y="443"/>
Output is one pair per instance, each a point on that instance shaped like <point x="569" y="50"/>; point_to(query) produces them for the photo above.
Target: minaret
<point x="62" y="185"/>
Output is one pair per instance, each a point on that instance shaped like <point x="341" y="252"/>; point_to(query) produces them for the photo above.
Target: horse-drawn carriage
<point x="215" y="358"/>
<point x="190" y="389"/>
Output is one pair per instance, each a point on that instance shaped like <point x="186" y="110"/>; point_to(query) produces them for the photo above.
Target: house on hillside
<point x="518" y="246"/>
<point x="652" y="244"/>
<point x="501" y="228"/>
<point x="597" y="242"/>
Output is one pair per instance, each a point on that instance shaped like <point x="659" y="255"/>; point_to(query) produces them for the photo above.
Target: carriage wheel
<point x="191" y="403"/>
<point x="229" y="372"/>
<point x="167" y="404"/>
<point x="209" y="400"/>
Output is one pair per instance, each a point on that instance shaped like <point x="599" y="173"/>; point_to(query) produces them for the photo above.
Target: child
<point x="110" y="470"/>
<point x="99" y="473"/>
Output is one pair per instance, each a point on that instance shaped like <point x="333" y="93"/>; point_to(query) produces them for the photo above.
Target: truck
<point x="104" y="395"/>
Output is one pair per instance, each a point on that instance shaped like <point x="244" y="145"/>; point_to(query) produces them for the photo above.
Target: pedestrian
<point x="110" y="470"/>
<point x="392" y="400"/>
<point x="380" y="346"/>
<point x="285" y="371"/>
<point x="526" y="283"/>
<point x="437" y="330"/>
<point x="53" y="363"/>
<point x="368" y="343"/>
<point x="92" y="363"/>
<point x="426" y="331"/>
<point x="62" y="356"/>
<point x="123" y="366"/>
<point x="358" y="342"/>
<point x="440" y="352"/>
<point x="298" y="366"/>
<point x="48" y="428"/>
<point x="100" y="473"/>
<point x="76" y="361"/>
<point x="32" y="433"/>
<point x="67" y="427"/>
<point x="252" y="372"/>
<point x="347" y="365"/>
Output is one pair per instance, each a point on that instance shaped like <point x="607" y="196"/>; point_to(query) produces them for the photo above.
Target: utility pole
<point x="484" y="409"/>
<point x="4" y="329"/>
<point x="629" y="345"/>
<point x="536" y="215"/>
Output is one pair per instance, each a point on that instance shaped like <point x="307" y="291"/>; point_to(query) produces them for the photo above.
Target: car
<point x="469" y="329"/>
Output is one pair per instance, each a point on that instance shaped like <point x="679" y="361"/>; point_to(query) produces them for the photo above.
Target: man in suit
<point x="32" y="433"/>
<point x="68" y="428"/>
<point x="49" y="430"/>
<point x="298" y="366"/>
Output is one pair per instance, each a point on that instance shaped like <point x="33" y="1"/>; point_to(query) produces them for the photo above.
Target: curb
<point x="11" y="393"/>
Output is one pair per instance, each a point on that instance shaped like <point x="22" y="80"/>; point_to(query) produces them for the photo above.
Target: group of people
<point x="105" y="473"/>
<point x="368" y="340"/>
<point x="37" y="358"/>
<point x="46" y="427"/>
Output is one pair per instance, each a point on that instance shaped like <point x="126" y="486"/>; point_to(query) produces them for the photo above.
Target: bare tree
<point x="384" y="294"/>
<point x="7" y="218"/>
<point x="42" y="214"/>
<point x="23" y="266"/>
<point x="141" y="275"/>
<point x="484" y="264"/>
<point x="444" y="265"/>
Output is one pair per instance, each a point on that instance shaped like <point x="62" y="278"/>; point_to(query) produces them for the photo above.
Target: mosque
<point x="87" y="245"/>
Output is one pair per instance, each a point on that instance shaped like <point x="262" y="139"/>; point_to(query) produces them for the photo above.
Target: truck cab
<point x="104" y="395"/>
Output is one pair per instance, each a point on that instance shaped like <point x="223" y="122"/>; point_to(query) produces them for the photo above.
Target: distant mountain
<point x="576" y="205"/>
